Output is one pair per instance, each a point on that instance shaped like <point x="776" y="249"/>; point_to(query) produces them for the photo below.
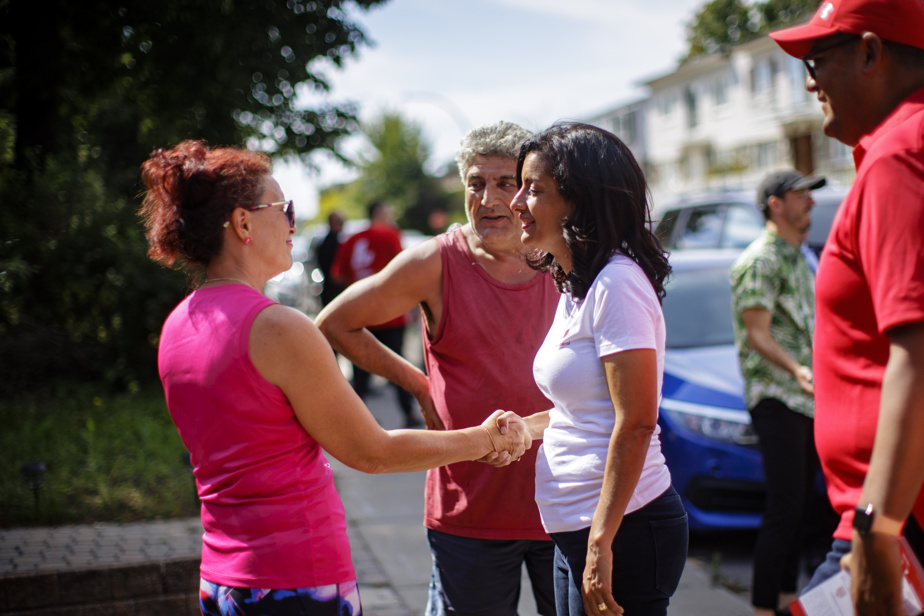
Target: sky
<point x="451" y="65"/>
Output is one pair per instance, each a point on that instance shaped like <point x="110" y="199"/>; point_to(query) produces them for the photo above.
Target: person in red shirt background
<point x="365" y="254"/>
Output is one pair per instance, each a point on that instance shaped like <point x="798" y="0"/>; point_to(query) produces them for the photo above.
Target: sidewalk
<point x="384" y="514"/>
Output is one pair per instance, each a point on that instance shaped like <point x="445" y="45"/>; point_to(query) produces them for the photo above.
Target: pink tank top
<point x="271" y="513"/>
<point x="481" y="359"/>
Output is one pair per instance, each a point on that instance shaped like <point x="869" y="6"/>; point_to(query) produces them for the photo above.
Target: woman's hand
<point x="509" y="435"/>
<point x="597" y="589"/>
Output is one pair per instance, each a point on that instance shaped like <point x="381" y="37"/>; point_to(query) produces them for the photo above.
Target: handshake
<point x="509" y="435"/>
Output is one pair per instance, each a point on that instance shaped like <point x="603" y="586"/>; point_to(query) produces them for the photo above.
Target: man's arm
<point x="414" y="277"/>
<point x="757" y="324"/>
<point x="896" y="473"/>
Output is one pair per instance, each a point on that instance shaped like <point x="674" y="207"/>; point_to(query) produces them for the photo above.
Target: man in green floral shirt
<point x="773" y="300"/>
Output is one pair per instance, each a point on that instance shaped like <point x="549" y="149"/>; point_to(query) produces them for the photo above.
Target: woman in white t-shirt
<point x="603" y="489"/>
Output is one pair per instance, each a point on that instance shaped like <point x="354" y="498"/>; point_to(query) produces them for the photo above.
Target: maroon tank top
<point x="481" y="359"/>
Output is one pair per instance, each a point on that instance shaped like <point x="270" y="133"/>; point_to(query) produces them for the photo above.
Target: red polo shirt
<point x="870" y="279"/>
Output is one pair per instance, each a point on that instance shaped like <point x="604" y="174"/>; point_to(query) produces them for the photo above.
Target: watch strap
<point x="866" y="521"/>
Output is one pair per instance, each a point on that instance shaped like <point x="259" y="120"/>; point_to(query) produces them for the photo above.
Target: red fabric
<point x="479" y="360"/>
<point x="272" y="516"/>
<point x="901" y="21"/>
<point x="870" y="279"/>
<point x="367" y="253"/>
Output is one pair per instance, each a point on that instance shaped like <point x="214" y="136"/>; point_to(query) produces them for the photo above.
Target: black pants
<point x="393" y="338"/>
<point x="649" y="553"/>
<point x="797" y="512"/>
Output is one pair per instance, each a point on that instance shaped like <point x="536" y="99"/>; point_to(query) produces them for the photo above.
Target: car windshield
<point x="697" y="309"/>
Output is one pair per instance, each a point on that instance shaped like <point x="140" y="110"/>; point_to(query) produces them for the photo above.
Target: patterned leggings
<point x="331" y="600"/>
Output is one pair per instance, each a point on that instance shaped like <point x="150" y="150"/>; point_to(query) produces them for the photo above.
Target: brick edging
<point x="164" y="587"/>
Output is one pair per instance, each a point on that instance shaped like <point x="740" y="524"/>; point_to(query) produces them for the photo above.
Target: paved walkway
<point x="384" y="518"/>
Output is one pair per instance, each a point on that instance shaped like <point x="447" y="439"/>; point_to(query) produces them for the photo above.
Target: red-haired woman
<point x="255" y="393"/>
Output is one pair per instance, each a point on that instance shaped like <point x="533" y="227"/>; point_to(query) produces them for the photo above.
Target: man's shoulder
<point x="759" y="264"/>
<point x="460" y="240"/>
<point x="421" y="260"/>
<point x="759" y="252"/>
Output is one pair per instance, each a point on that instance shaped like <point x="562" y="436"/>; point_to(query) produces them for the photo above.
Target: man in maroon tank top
<point x="485" y="313"/>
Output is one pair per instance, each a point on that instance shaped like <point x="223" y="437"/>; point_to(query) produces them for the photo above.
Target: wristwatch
<point x="867" y="521"/>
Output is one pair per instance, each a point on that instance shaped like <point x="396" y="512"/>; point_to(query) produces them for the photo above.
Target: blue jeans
<point x="482" y="576"/>
<point x="830" y="566"/>
<point x="839" y="548"/>
<point x="649" y="553"/>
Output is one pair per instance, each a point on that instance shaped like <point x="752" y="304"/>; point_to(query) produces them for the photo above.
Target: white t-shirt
<point x="621" y="312"/>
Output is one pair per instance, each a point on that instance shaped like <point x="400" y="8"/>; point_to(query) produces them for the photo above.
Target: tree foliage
<point x="87" y="90"/>
<point x="395" y="173"/>
<point x="721" y="24"/>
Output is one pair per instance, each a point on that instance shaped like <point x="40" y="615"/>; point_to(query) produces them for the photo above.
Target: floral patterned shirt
<point x="773" y="274"/>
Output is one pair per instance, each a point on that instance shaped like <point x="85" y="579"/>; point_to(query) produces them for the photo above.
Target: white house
<point x="724" y="121"/>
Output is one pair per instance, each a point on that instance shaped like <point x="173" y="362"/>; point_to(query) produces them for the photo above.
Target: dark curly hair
<point x="596" y="174"/>
<point x="191" y="190"/>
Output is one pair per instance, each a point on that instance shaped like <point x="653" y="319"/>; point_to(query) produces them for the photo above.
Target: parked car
<point x="730" y="219"/>
<point x="706" y="433"/>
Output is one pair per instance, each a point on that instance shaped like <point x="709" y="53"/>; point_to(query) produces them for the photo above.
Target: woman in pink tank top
<point x="255" y="393"/>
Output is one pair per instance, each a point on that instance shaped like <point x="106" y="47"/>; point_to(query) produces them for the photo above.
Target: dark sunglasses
<point x="809" y="59"/>
<point x="288" y="210"/>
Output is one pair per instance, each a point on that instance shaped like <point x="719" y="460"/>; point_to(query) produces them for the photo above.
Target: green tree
<point x="394" y="173"/>
<point x="721" y="24"/>
<point x="87" y="90"/>
<point x="718" y="26"/>
<point x="776" y="14"/>
<point x="223" y="71"/>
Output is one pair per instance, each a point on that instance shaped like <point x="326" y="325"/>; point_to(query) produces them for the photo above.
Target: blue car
<point x="706" y="433"/>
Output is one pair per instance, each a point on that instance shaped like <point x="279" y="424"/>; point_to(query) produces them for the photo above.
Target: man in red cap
<point x="865" y="60"/>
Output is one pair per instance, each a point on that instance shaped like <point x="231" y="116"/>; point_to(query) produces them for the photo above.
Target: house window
<point x="763" y="74"/>
<point x="666" y="104"/>
<point x="625" y="127"/>
<point x="766" y="155"/>
<point x="720" y="92"/>
<point x="692" y="115"/>
<point x="798" y="76"/>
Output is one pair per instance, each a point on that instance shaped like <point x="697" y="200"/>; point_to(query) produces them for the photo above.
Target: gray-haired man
<point x="485" y="313"/>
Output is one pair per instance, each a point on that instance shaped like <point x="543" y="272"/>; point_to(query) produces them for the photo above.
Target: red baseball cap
<point x="899" y="21"/>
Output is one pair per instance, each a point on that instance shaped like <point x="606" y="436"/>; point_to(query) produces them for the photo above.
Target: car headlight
<point x="712" y="422"/>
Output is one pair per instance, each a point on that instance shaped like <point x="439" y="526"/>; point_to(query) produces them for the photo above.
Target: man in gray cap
<point x="773" y="300"/>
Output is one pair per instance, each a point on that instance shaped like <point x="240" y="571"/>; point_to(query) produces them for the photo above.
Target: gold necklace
<point x="208" y="280"/>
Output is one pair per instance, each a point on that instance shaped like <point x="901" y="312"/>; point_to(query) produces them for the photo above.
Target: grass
<point x="108" y="457"/>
